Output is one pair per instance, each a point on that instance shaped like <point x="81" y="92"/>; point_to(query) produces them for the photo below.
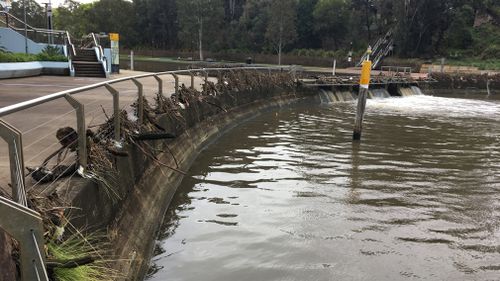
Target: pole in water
<point x="364" y="84"/>
<point x="334" y="67"/>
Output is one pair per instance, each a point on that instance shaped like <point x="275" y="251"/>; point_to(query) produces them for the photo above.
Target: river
<point x="288" y="196"/>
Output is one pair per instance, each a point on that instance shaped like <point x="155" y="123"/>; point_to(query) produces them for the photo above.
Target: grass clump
<point x="78" y="247"/>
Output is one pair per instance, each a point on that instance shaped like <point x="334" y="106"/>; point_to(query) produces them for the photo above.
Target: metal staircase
<point x="380" y="50"/>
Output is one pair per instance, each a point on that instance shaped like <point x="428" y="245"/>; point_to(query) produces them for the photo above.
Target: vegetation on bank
<point x="48" y="54"/>
<point x="314" y="28"/>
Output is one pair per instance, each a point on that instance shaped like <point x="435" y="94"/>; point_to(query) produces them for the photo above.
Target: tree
<point x="72" y="16"/>
<point x="199" y="19"/>
<point x="156" y="23"/>
<point x="252" y="25"/>
<point x="331" y="19"/>
<point x="306" y="35"/>
<point x="281" y="29"/>
<point x="35" y="14"/>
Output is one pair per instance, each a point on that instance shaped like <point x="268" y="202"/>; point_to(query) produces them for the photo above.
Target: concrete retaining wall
<point x="146" y="188"/>
<point x="13" y="41"/>
<point x="33" y="68"/>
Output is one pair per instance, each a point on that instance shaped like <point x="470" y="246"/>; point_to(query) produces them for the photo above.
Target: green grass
<point x="491" y="64"/>
<point x="75" y="247"/>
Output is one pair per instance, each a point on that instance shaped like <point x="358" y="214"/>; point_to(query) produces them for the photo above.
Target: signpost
<point x="115" y="52"/>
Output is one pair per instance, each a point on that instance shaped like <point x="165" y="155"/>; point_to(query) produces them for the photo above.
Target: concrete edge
<point x="32" y="68"/>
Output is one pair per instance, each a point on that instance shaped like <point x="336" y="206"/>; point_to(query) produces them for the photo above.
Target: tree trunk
<point x="200" y="38"/>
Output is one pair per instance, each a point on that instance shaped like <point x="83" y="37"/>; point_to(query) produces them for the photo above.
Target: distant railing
<point x="396" y="70"/>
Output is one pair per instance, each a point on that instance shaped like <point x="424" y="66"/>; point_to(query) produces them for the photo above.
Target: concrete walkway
<point x="39" y="124"/>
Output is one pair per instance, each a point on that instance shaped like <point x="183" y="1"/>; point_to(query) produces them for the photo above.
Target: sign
<point x="115" y="52"/>
<point x="114" y="37"/>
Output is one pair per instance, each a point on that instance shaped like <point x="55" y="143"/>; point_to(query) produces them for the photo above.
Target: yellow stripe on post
<point x="365" y="74"/>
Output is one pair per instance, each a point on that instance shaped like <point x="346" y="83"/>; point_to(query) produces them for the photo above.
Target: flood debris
<point x="72" y="254"/>
<point x="466" y="81"/>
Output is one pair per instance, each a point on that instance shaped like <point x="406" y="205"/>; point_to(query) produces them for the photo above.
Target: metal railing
<point x="24" y="224"/>
<point x="14" y="137"/>
<point x="397" y="70"/>
<point x="38" y="35"/>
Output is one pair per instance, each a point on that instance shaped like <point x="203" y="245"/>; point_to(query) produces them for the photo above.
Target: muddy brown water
<point x="287" y="196"/>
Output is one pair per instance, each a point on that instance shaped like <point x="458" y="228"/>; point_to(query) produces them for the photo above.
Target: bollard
<point x="363" y="93"/>
<point x="131" y="60"/>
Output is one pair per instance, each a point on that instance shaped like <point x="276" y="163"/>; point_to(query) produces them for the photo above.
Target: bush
<point x="492" y="52"/>
<point x="50" y="53"/>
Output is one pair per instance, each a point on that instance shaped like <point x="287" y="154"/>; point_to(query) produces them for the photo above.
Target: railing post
<point x="160" y="84"/>
<point x="192" y="79"/>
<point x="13" y="137"/>
<point x="81" y="129"/>
<point x="25" y="225"/>
<point x="220" y="77"/>
<point x="176" y="77"/>
<point x="160" y="90"/>
<point x="140" y="95"/>
<point x="116" y="109"/>
<point x="206" y="75"/>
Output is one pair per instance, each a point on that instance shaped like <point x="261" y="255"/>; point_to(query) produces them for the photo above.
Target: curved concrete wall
<point x="32" y="68"/>
<point x="146" y="188"/>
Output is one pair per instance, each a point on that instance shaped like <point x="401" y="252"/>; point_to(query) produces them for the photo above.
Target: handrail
<point x="71" y="44"/>
<point x="43" y="30"/>
<point x="100" y="55"/>
<point x="41" y="100"/>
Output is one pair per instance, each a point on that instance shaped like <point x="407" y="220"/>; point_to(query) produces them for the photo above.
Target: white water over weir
<point x="329" y="96"/>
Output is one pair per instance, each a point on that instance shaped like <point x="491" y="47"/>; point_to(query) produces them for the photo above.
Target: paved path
<point x="40" y="123"/>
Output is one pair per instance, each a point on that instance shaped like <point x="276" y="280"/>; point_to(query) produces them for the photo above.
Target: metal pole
<point x="13" y="138"/>
<point x="140" y="94"/>
<point x="364" y="84"/>
<point x="81" y="129"/>
<point x="25" y="28"/>
<point x="116" y="110"/>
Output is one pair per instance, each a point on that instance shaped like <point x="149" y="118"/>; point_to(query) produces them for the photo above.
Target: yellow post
<point x="364" y="84"/>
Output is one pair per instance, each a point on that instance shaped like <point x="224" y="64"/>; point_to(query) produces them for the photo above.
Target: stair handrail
<point x="100" y="52"/>
<point x="383" y="53"/>
<point x="31" y="28"/>
<point x="376" y="48"/>
<point x="71" y="45"/>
